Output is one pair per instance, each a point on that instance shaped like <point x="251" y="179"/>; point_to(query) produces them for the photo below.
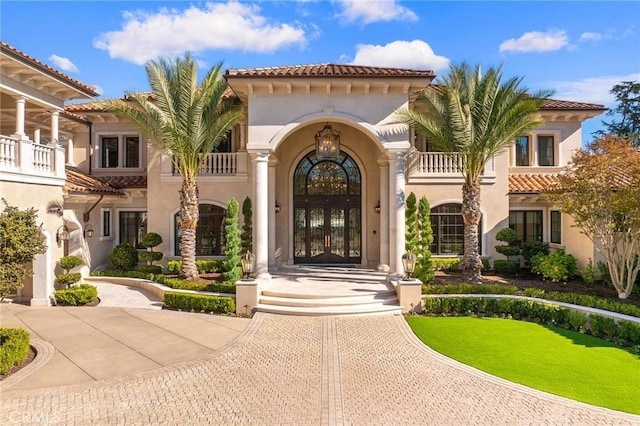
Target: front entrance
<point x="327" y="213"/>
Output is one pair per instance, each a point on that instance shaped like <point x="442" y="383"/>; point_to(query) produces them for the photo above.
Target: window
<point x="133" y="226"/>
<point x="545" y="151"/>
<point x="226" y="144"/>
<point x="109" y="152"/>
<point x="527" y="223"/>
<point x="556" y="227"/>
<point x="106" y="223"/>
<point x="522" y="151"/>
<point x="448" y="230"/>
<point x="120" y="151"/>
<point x="209" y="233"/>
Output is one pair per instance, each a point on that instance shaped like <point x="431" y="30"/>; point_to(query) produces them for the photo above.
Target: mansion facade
<point x="96" y="178"/>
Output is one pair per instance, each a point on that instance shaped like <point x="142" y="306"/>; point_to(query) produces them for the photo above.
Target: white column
<point x="70" y="151"/>
<point x="55" y="115"/>
<point x="396" y="210"/>
<point x="261" y="213"/>
<point x="43" y="277"/>
<point x="272" y="214"/>
<point x="36" y="136"/>
<point x="20" y="106"/>
<point x="384" y="215"/>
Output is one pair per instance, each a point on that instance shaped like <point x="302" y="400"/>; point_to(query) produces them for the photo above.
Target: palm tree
<point x="185" y="121"/>
<point x="476" y="115"/>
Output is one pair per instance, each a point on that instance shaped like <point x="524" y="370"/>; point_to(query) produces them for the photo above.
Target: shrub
<point x="247" y="227"/>
<point x="69" y="262"/>
<point x="173" y="266"/>
<point x="150" y="256"/>
<point x="199" y="303"/>
<point x="594" y="302"/>
<point x="129" y="274"/>
<point x="603" y="326"/>
<point x="577" y="320"/>
<point x="508" y="267"/>
<point x="151" y="269"/>
<point x="447" y="264"/>
<point x="150" y="240"/>
<point x="74" y="296"/>
<point x="532" y="248"/>
<point x="232" y="270"/>
<point x="534" y="292"/>
<point x="197" y="286"/>
<point x="14" y="347"/>
<point x="204" y="266"/>
<point x="509" y="236"/>
<point x="469" y="289"/>
<point x="486" y="263"/>
<point x="629" y="331"/>
<point x="424" y="267"/>
<point x="589" y="273"/>
<point x="557" y="266"/>
<point x="123" y="257"/>
<point x="67" y="280"/>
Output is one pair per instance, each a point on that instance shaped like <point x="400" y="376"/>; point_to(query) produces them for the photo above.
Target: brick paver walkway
<point x="302" y="370"/>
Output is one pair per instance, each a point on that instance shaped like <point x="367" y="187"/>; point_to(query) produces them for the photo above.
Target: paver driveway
<point x="304" y="370"/>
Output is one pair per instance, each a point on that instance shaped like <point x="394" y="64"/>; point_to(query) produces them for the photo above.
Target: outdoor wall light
<point x="377" y="207"/>
<point x="409" y="264"/>
<point x="88" y="231"/>
<point x="62" y="234"/>
<point x="278" y="208"/>
<point x="248" y="262"/>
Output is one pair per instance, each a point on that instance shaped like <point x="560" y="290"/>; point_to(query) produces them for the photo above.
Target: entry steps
<point x="351" y="303"/>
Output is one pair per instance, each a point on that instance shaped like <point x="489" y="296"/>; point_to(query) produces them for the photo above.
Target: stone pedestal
<point x="247" y="292"/>
<point x="409" y="293"/>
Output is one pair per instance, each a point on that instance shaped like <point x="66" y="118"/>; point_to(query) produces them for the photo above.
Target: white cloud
<point x="171" y="32"/>
<point x="610" y="34"/>
<point x="591" y="89"/>
<point x="375" y="11"/>
<point x="415" y="54"/>
<point x="64" y="64"/>
<point x="536" y="41"/>
<point x="592" y="36"/>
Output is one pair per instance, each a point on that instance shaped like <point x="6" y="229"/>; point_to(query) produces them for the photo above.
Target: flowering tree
<point x="600" y="189"/>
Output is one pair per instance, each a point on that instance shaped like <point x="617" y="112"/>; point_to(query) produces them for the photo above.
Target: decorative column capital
<point x="260" y="156"/>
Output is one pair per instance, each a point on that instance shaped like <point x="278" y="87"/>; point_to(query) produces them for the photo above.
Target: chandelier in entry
<point x="327" y="144"/>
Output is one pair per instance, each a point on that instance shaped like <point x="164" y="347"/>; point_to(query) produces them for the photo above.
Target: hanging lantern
<point x="327" y="144"/>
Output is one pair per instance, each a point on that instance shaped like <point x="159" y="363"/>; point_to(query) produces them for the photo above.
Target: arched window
<point x="209" y="233"/>
<point x="448" y="230"/>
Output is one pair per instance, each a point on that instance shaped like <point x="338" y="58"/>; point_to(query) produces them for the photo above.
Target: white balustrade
<point x="8" y="152"/>
<point x="430" y="163"/>
<point x="25" y="157"/>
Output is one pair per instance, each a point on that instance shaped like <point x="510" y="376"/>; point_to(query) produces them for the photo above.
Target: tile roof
<point x="18" y="54"/>
<point x="526" y="183"/>
<point x="121" y="182"/>
<point x="81" y="182"/>
<point x="80" y="107"/>
<point x="327" y="70"/>
<point x="556" y="104"/>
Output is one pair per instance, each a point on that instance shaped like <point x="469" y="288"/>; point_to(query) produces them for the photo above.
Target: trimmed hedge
<point x="586" y="300"/>
<point x="469" y="289"/>
<point x="14" y="347"/>
<point x="508" y="267"/>
<point x="197" y="286"/>
<point x="74" y="296"/>
<point x="124" y="274"/>
<point x="624" y="333"/>
<point x="447" y="264"/>
<point x="200" y="303"/>
<point x="204" y="266"/>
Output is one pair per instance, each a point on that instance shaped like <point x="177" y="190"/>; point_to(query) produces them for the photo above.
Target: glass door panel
<point x="336" y="231"/>
<point x="316" y="232"/>
<point x="300" y="232"/>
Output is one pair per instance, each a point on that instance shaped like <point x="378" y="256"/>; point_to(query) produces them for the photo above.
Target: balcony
<point x="22" y="160"/>
<point x="219" y="166"/>
<point x="440" y="167"/>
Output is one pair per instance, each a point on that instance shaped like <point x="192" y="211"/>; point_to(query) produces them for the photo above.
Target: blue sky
<point x="578" y="49"/>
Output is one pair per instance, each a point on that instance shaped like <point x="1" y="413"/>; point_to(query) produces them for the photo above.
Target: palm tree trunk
<point x="471" y="264"/>
<point x="189" y="216"/>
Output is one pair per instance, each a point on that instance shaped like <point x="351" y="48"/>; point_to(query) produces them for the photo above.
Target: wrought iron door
<point x="327" y="217"/>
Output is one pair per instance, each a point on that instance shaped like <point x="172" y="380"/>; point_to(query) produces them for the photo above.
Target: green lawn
<point x="551" y="359"/>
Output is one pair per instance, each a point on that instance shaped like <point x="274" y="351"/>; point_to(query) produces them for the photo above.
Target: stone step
<point x="331" y="310"/>
<point x="370" y="299"/>
<point x="324" y="295"/>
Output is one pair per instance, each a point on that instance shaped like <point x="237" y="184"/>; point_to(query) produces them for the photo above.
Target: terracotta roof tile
<point x="80" y="107"/>
<point x="121" y="182"/>
<point x="530" y="183"/>
<point x="12" y="51"/>
<point x="81" y="182"/>
<point x="327" y="70"/>
<point x="556" y="104"/>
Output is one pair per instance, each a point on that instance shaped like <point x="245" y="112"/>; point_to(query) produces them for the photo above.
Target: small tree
<point x="411" y="222"/>
<point x="627" y="95"/>
<point x="510" y="237"/>
<point x="20" y="241"/>
<point x="123" y="257"/>
<point x="232" y="270"/>
<point x="67" y="263"/>
<point x="247" y="227"/>
<point x="600" y="189"/>
<point x="149" y="241"/>
<point x="425" y="271"/>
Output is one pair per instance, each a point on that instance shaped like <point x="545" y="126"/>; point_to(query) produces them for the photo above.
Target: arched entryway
<point x="327" y="217"/>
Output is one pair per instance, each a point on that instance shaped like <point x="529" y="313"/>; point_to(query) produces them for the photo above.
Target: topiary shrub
<point x="75" y="296"/>
<point x="199" y="303"/>
<point x="247" y="226"/>
<point x="14" y="347"/>
<point x="509" y="236"/>
<point x="123" y="257"/>
<point x="67" y="279"/>
<point x="425" y="271"/>
<point x="557" y="266"/>
<point x="232" y="270"/>
<point x="151" y="240"/>
<point x="508" y="267"/>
